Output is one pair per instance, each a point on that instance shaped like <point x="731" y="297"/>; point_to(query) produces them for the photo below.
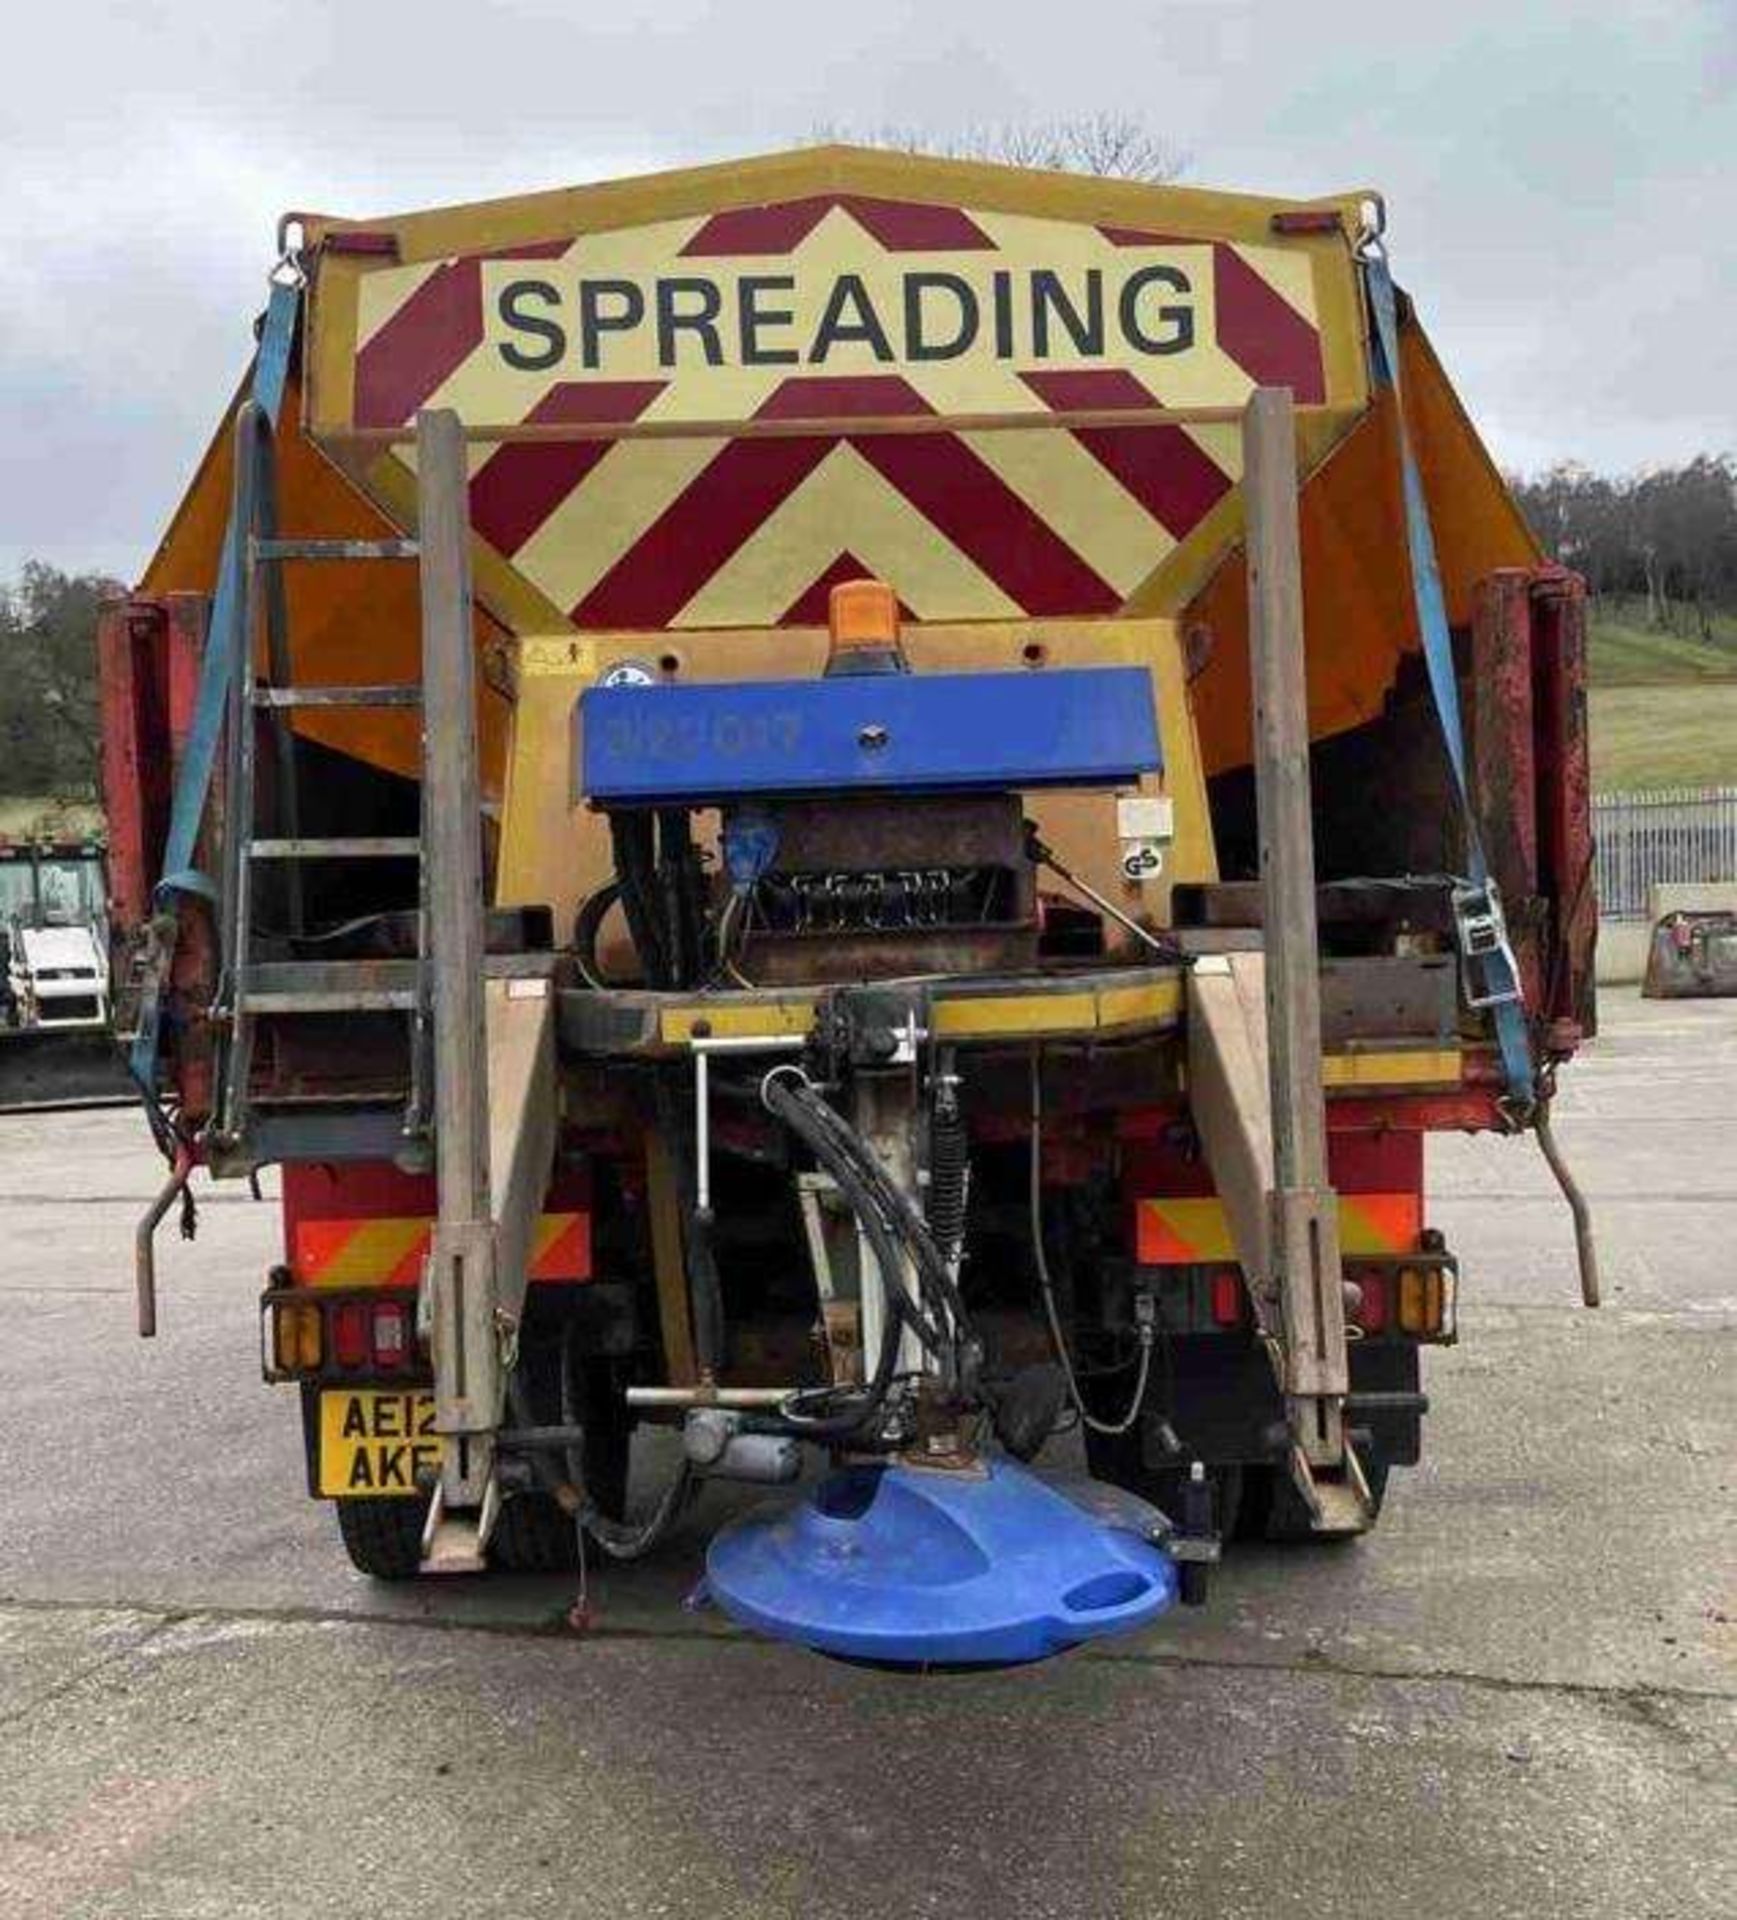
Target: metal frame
<point x="1255" y="1072"/>
<point x="247" y="989"/>
<point x="493" y="1046"/>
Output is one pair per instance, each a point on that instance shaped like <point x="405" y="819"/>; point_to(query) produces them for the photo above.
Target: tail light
<point x="1425" y="1303"/>
<point x="1228" y="1299"/>
<point x="296" y="1343"/>
<point x="307" y="1334"/>
<point x="1409" y="1296"/>
<point x="1372" y="1307"/>
<point x="391" y="1335"/>
<point x="350" y="1342"/>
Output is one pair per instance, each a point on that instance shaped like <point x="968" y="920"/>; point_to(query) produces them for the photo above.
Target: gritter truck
<point x="836" y="814"/>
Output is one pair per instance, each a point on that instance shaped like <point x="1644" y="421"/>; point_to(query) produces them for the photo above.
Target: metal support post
<point x="462" y="1282"/>
<point x="1304" y="1213"/>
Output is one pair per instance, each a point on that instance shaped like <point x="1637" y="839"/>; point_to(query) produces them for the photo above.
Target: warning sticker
<point x="376" y="1442"/>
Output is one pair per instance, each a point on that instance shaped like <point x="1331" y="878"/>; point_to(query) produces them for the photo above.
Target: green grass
<point x="1663" y="707"/>
<point x="1623" y="653"/>
<point x="1664" y="736"/>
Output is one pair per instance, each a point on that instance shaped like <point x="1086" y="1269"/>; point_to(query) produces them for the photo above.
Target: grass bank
<point x="1663" y="707"/>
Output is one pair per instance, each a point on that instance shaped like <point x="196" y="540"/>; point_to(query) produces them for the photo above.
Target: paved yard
<point x="1516" y="1698"/>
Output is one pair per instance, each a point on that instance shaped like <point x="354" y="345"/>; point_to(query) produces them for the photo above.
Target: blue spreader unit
<point x="911" y="1567"/>
<point x="695" y="745"/>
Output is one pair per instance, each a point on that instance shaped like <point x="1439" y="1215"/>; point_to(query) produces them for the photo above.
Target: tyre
<point x="533" y="1535"/>
<point x="383" y="1537"/>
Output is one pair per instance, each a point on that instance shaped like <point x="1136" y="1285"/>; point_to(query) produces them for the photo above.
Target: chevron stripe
<point x="899" y="226"/>
<point x="648" y="533"/>
<point x="434" y="332"/>
<point x="846" y="497"/>
<point x="687" y="543"/>
<point x="390" y="1250"/>
<point x="517" y="487"/>
<point x="1263" y="333"/>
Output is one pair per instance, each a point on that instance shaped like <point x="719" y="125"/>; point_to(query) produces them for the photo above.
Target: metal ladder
<point x="249" y="988"/>
<point x="482" y="1081"/>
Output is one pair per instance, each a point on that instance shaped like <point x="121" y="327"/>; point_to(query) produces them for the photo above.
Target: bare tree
<point x="1114" y="146"/>
<point x="1665" y="538"/>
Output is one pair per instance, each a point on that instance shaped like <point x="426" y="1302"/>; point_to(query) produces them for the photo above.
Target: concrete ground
<point x="1516" y="1698"/>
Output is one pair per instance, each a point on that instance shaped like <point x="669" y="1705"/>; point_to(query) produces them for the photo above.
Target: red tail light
<point x="1227" y="1297"/>
<point x="1372" y="1312"/>
<point x="350" y="1344"/>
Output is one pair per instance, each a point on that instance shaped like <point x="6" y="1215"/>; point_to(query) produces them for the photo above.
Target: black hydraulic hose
<point x="587" y="925"/>
<point x="621" y="1540"/>
<point x="871" y="1398"/>
<point x="631" y="836"/>
<point x="799" y="1109"/>
<point x="912" y="1227"/>
<point x="705" y="1285"/>
<point x="683" y="911"/>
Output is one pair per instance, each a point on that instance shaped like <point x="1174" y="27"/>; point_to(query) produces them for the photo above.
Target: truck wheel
<point x="383" y="1537"/>
<point x="533" y="1535"/>
<point x="1117" y="1458"/>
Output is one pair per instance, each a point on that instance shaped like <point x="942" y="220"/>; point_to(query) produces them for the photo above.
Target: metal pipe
<point x="1165" y="949"/>
<point x="144" y="1237"/>
<point x="745" y="1397"/>
<point x="703" y="1133"/>
<point x="747" y="1042"/>
<point x="1585" y="1247"/>
<point x="704" y="1046"/>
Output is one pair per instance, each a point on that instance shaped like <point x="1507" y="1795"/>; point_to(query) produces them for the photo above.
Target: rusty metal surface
<point x="1400" y="904"/>
<point x="948" y="835"/>
<point x="1500" y="725"/>
<point x="129" y="652"/>
<point x="1565" y="796"/>
<point x="956" y="830"/>
<point x="1389" y="997"/>
<point x="797" y="959"/>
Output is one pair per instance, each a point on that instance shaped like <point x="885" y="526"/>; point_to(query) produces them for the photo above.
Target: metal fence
<point x="1673" y="834"/>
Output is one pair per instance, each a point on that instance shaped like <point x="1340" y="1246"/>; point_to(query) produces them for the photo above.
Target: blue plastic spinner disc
<point x="910" y="1566"/>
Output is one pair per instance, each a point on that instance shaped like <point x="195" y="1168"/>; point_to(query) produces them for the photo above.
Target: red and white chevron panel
<point x="825" y="308"/>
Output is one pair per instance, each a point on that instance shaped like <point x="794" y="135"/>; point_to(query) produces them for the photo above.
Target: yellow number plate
<point x="376" y="1442"/>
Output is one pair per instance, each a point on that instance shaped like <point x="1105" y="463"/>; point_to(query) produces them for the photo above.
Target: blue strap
<point x="1497" y="964"/>
<point x="222" y="657"/>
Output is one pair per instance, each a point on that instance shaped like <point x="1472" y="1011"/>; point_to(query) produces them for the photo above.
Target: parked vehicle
<point x="55" y="1045"/>
<point x="779" y="866"/>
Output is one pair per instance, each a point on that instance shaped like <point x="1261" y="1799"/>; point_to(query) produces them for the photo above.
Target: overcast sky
<point x="1559" y="179"/>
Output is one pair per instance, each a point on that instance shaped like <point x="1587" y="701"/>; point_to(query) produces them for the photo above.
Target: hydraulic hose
<point x="587" y="926"/>
<point x="633" y="840"/>
<point x="621" y="1540"/>
<point x="705" y="1286"/>
<point x="789" y="1105"/>
<point x="838" y="1146"/>
<point x="931" y="1267"/>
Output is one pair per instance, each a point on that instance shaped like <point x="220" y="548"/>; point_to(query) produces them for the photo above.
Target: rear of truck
<point x="883" y="1034"/>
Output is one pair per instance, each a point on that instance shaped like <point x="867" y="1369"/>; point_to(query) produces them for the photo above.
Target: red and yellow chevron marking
<point x="389" y="1252"/>
<point x="822" y="307"/>
<point x="1171" y="1233"/>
